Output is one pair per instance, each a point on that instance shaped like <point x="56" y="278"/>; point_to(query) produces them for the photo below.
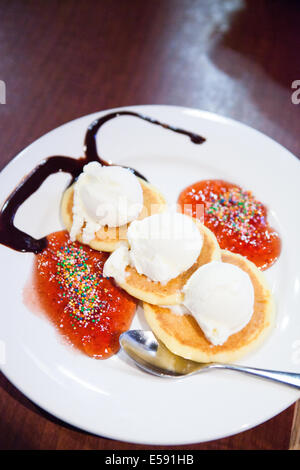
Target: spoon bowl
<point x="149" y="354"/>
<point x="152" y="356"/>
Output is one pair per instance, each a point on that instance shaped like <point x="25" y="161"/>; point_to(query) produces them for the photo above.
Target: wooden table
<point x="64" y="59"/>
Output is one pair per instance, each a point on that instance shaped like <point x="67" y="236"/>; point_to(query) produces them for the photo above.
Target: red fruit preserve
<point x="238" y="220"/>
<point x="89" y="310"/>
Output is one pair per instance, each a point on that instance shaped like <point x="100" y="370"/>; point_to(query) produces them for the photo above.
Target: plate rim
<point x="200" y="112"/>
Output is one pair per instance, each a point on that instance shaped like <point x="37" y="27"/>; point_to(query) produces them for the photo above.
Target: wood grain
<point x="295" y="433"/>
<point x="61" y="60"/>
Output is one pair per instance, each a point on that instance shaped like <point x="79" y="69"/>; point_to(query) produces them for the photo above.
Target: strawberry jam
<point x="89" y="310"/>
<point x="237" y="219"/>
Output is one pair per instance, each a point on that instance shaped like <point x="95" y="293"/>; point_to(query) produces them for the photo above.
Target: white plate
<point x="111" y="398"/>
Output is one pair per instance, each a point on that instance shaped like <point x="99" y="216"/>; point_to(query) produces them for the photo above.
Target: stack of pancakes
<point x="181" y="333"/>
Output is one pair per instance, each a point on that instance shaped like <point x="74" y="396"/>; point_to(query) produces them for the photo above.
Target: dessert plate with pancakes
<point x="111" y="397"/>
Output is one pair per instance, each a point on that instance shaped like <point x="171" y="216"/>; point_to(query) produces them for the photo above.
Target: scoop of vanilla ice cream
<point x="164" y="245"/>
<point x="221" y="298"/>
<point x="104" y="195"/>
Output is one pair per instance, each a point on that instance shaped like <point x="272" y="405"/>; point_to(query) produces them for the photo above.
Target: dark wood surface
<point x="64" y="59"/>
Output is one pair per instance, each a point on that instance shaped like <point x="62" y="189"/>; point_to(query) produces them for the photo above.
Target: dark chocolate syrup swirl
<point x="14" y="238"/>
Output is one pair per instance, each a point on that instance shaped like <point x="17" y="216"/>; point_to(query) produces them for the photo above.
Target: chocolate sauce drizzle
<point x="14" y="238"/>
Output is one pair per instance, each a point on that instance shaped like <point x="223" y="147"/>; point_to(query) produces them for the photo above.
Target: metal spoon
<point x="152" y="356"/>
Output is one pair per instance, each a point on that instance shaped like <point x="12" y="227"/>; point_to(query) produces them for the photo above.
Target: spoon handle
<point x="288" y="378"/>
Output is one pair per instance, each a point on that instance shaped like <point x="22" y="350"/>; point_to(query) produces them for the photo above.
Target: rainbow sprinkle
<point x="79" y="286"/>
<point x="237" y="209"/>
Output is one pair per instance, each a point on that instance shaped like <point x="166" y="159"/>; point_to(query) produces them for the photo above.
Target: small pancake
<point x="145" y="289"/>
<point x="108" y="238"/>
<point x="183" y="336"/>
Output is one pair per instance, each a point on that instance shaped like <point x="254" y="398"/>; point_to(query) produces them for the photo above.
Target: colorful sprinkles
<point x="79" y="285"/>
<point x="237" y="209"/>
<point x="238" y="220"/>
<point x="89" y="310"/>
